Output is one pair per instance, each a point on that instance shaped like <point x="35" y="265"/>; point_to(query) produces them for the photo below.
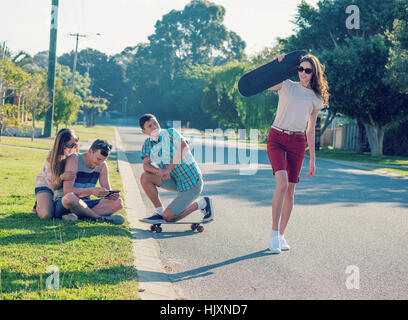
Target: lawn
<point x="393" y="164"/>
<point x="84" y="134"/>
<point x="94" y="260"/>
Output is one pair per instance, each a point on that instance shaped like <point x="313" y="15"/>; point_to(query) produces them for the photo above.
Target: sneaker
<point x="34" y="208"/>
<point x="284" y="245"/>
<point x="155" y="218"/>
<point x="70" y="217"/>
<point x="275" y="244"/>
<point x="116" y="219"/>
<point x="208" y="211"/>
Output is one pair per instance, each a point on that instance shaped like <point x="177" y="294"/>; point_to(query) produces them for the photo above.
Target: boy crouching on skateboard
<point x="169" y="164"/>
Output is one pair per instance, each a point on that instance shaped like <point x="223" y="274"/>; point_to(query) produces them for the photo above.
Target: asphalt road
<point x="348" y="234"/>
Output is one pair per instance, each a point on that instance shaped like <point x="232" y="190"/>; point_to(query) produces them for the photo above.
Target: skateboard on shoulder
<point x="270" y="74"/>
<point x="194" y="225"/>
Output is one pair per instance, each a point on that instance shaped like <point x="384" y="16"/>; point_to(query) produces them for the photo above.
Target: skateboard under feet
<point x="194" y="226"/>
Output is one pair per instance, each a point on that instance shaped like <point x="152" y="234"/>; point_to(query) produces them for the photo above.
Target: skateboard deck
<point x="270" y="74"/>
<point x="195" y="225"/>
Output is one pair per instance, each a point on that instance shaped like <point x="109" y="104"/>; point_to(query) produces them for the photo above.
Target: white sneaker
<point x="70" y="217"/>
<point x="274" y="244"/>
<point x="284" y="245"/>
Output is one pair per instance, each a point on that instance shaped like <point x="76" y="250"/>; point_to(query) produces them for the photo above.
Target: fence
<point x="22" y="131"/>
<point x="345" y="137"/>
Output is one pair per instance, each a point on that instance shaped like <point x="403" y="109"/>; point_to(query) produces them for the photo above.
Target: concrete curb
<point x="154" y="283"/>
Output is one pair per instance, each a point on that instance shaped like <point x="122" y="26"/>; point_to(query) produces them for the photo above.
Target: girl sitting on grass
<point x="49" y="182"/>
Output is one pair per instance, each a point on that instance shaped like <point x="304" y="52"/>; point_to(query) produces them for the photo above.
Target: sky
<point x="25" y="24"/>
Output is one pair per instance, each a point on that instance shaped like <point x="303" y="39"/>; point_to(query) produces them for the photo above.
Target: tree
<point x="25" y="62"/>
<point x="106" y="76"/>
<point x="355" y="60"/>
<point x="226" y="106"/>
<point x="195" y="35"/>
<point x="66" y="105"/>
<point x="92" y="108"/>
<point x="324" y="27"/>
<point x="220" y="99"/>
<point x="356" y="73"/>
<point x="160" y="73"/>
<point x="36" y="96"/>
<point x="13" y="79"/>
<point x="397" y="66"/>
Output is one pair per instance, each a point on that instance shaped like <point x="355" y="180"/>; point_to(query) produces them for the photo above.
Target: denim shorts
<point x="39" y="190"/>
<point x="60" y="210"/>
<point x="184" y="198"/>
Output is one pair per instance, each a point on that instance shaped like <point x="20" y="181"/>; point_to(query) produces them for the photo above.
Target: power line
<point x="77" y="36"/>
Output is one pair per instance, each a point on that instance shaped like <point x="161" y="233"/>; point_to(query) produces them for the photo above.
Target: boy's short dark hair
<point x="144" y="118"/>
<point x="102" y="145"/>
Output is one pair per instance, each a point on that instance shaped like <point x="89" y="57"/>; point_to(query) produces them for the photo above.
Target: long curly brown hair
<point x="318" y="83"/>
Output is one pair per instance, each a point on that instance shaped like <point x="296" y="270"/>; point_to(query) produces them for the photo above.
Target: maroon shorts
<point x="286" y="152"/>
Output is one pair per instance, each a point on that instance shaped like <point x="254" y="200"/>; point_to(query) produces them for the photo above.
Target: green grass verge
<point x="94" y="260"/>
<point x="84" y="133"/>
<point x="393" y="164"/>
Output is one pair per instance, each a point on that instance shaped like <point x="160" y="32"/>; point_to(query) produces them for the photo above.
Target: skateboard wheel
<point x="152" y="228"/>
<point x="158" y="229"/>
<point x="193" y="227"/>
<point x="200" y="229"/>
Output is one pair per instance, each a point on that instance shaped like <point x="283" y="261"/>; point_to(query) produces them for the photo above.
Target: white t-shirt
<point x="296" y="103"/>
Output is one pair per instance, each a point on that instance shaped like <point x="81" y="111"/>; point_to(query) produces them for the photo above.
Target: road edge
<point x="154" y="282"/>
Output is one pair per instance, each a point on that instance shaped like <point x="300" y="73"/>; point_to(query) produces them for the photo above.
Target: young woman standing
<point x="299" y="105"/>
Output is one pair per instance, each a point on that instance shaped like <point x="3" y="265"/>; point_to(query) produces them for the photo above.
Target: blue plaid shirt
<point x="187" y="173"/>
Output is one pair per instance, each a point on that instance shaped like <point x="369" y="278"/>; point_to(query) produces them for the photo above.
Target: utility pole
<point x="124" y="106"/>
<point x="77" y="35"/>
<point x="3" y="56"/>
<point x="52" y="59"/>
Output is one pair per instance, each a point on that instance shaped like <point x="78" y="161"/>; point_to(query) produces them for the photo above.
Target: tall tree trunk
<point x="375" y="135"/>
<point x="329" y="119"/>
<point x="361" y="136"/>
<point x="34" y="113"/>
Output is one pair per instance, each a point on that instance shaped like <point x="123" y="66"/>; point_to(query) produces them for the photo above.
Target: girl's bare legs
<point x="287" y="207"/>
<point x="282" y="185"/>
<point x="45" y="205"/>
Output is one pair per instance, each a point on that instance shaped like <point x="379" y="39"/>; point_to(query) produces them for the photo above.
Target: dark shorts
<point x="286" y="152"/>
<point x="43" y="189"/>
<point x="60" y="210"/>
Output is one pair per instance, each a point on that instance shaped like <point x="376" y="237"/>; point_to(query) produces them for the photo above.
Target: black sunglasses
<point x="106" y="145"/>
<point x="307" y="70"/>
<point x="74" y="144"/>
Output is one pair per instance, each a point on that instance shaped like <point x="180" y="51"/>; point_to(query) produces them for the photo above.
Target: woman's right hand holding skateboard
<point x="280" y="57"/>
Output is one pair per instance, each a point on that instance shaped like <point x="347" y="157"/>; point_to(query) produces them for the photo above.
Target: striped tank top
<point x="86" y="177"/>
